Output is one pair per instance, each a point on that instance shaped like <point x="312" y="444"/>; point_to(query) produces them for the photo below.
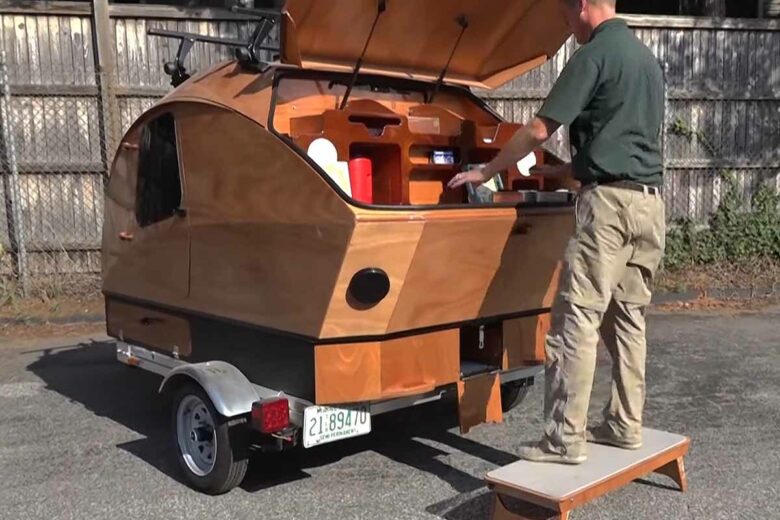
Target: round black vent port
<point x="369" y="286"/>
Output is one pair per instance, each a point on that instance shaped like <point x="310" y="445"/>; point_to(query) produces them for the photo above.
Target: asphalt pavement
<point x="83" y="437"/>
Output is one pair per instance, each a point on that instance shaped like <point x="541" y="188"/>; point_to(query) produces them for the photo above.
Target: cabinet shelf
<point x="436" y="167"/>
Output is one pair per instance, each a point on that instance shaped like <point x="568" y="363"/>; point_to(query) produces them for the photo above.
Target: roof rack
<point x="248" y="53"/>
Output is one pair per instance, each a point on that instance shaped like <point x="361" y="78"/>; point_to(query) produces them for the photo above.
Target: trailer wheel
<point x="211" y="449"/>
<point x="512" y="394"/>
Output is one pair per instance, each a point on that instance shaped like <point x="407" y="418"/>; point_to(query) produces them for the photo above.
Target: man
<point x="611" y="95"/>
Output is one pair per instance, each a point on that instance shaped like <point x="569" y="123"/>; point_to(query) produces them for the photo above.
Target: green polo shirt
<point x="611" y="93"/>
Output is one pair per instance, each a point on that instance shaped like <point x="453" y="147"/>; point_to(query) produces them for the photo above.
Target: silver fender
<point x="229" y="389"/>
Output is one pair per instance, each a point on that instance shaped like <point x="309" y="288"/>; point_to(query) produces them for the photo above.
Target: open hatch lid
<point x="415" y="38"/>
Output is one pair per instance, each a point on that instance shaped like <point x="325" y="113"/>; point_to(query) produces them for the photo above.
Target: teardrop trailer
<point x="281" y="306"/>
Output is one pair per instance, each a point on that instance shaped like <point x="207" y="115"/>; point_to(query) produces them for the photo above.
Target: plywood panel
<point x="461" y="254"/>
<point x="420" y="363"/>
<point x="479" y="401"/>
<point x="387" y="246"/>
<point x="347" y="373"/>
<point x="530" y="262"/>
<point x="268" y="236"/>
<point x="147" y="327"/>
<point x="386" y="369"/>
<point x="524" y="340"/>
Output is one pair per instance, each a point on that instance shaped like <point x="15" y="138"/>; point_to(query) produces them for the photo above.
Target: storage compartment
<point x="503" y="345"/>
<point x="428" y="186"/>
<point x="415" y="147"/>
<point x="523" y="340"/>
<point x="375" y="124"/>
<point x="385" y="170"/>
<point x="482" y="345"/>
<point x="433" y="155"/>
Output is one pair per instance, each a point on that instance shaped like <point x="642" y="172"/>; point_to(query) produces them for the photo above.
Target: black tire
<point x="231" y="457"/>
<point x="512" y="394"/>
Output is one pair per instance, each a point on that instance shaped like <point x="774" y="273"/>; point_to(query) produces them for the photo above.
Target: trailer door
<point x="148" y="247"/>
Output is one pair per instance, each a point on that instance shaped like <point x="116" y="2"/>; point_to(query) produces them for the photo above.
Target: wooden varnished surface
<point x="415" y="39"/>
<point x="266" y="241"/>
<point x="386" y="369"/>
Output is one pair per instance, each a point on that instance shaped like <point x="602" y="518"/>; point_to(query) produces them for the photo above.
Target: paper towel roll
<point x="526" y="163"/>
<point x="339" y="172"/>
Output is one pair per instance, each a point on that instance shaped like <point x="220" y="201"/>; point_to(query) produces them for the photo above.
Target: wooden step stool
<point x="561" y="488"/>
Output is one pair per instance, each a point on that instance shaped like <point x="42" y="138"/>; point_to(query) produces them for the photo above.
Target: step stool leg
<point x="675" y="470"/>
<point x="501" y="512"/>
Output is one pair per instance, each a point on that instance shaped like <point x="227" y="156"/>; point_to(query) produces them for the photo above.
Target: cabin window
<point x="158" y="193"/>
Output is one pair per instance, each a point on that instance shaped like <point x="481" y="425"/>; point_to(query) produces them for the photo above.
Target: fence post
<point x="11" y="182"/>
<point x="108" y="107"/>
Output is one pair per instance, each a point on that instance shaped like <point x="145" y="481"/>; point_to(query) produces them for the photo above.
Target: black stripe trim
<point x="184" y="313"/>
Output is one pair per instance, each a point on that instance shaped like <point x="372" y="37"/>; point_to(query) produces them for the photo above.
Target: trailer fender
<point x="229" y="389"/>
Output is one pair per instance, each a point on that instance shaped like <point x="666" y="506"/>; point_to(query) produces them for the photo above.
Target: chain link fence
<point x="54" y="163"/>
<point x="713" y="147"/>
<point x="61" y="119"/>
<point x="63" y="113"/>
<point x="726" y="144"/>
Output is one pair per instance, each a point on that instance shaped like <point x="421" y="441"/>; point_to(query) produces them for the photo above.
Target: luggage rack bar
<point x="230" y="42"/>
<point x="246" y="52"/>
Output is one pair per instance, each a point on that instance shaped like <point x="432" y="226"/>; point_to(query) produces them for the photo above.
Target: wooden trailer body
<point x="224" y="240"/>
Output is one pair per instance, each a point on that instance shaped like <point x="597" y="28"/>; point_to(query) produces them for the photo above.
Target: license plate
<point x="323" y="424"/>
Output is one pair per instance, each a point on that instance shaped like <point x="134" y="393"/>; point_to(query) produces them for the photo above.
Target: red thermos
<point x="361" y="179"/>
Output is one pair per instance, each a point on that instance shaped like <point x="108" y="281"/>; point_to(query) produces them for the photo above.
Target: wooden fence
<point x="78" y="78"/>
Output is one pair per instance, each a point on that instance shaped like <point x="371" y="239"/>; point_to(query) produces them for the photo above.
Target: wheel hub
<point x="196" y="435"/>
<point x="201" y="434"/>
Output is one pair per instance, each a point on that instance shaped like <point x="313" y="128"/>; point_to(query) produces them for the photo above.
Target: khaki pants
<point x="605" y="287"/>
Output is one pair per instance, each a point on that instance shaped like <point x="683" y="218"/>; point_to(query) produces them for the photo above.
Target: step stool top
<point x="558" y="483"/>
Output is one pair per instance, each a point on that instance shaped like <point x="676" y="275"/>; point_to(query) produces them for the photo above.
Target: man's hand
<point x="474" y="177"/>
<point x="521" y="144"/>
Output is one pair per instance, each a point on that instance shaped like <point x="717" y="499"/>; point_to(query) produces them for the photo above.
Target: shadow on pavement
<point x="89" y="374"/>
<point x="481" y="506"/>
<point x="659" y="485"/>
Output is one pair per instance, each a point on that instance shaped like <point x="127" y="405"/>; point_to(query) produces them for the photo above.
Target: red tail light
<point x="271" y="415"/>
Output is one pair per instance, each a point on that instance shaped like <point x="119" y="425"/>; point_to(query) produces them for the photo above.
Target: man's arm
<point x="525" y="141"/>
<point x="569" y="96"/>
